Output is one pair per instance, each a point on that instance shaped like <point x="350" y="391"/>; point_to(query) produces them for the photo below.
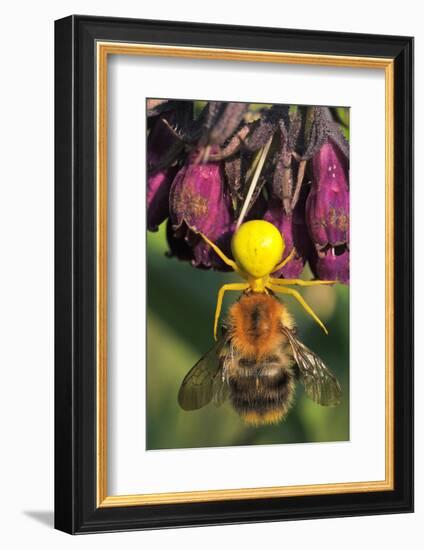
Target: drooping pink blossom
<point x="327" y="213"/>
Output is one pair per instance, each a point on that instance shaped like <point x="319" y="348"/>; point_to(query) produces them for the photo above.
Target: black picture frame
<point x="76" y="509"/>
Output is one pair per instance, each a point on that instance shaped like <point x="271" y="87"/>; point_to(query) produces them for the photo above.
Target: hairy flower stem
<point x="254" y="182"/>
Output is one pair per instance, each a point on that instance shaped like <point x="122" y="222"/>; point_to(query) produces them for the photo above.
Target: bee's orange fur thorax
<point x="255" y="324"/>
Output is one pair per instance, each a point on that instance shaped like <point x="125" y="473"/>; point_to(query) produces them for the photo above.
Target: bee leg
<point x="300" y="299"/>
<point x="219" y="252"/>
<point x="285" y="261"/>
<point x="299" y="282"/>
<point x="222" y="290"/>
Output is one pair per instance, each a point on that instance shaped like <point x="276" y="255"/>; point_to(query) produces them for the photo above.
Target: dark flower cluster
<point x="209" y="171"/>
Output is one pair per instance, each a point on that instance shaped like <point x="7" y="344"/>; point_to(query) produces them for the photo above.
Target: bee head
<point x="257" y="247"/>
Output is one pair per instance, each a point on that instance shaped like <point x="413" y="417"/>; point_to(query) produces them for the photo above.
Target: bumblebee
<point x="256" y="363"/>
<point x="258" y="358"/>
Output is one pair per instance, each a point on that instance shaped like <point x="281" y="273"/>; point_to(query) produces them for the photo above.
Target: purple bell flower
<point x="198" y="200"/>
<point x="327" y="213"/>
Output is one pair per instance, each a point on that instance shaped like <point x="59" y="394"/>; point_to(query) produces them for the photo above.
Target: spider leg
<point x="300" y="299"/>
<point x="223" y="257"/>
<point x="222" y="290"/>
<point x="299" y="282"/>
<point x="285" y="261"/>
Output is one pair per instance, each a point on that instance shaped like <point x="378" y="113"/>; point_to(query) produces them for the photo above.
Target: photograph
<point x="247" y="273"/>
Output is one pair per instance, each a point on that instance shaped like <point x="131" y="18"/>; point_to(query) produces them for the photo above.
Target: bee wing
<point x="220" y="389"/>
<point x="319" y="382"/>
<point x="204" y="381"/>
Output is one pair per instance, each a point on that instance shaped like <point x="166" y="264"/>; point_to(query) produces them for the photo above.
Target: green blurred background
<point x="181" y="305"/>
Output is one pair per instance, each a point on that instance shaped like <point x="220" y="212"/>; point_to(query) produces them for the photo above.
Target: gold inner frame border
<point x="103" y="50"/>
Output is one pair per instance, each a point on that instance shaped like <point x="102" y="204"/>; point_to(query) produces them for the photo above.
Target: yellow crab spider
<point x="257" y="248"/>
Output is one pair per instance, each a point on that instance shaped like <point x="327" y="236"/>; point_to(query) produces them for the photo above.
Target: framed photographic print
<point x="234" y="274"/>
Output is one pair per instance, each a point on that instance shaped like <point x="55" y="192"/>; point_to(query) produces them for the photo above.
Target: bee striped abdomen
<point x="262" y="391"/>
